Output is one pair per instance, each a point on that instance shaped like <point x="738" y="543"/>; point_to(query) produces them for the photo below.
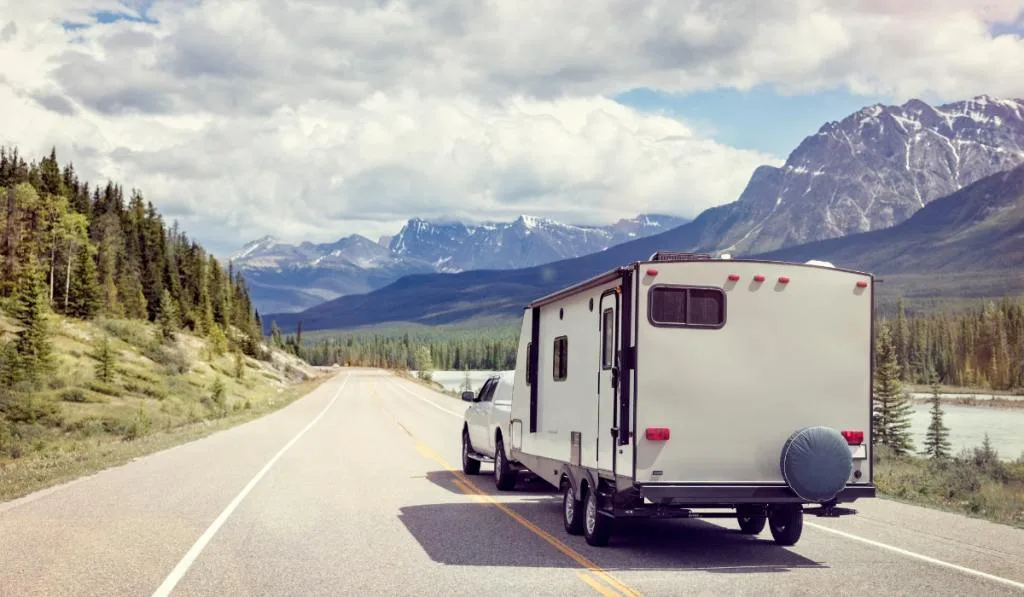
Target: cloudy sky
<point x="312" y="119"/>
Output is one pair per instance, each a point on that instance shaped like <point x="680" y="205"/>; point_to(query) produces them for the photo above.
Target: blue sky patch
<point x="759" y="119"/>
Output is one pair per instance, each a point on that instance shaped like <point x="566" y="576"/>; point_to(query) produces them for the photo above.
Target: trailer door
<point x="607" y="384"/>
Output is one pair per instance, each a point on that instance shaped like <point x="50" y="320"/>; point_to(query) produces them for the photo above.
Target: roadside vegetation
<point x="974" y="482"/>
<point x="118" y="335"/>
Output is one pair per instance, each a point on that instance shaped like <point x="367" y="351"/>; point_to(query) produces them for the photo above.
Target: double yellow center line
<point x="594" y="576"/>
<point x="611" y="586"/>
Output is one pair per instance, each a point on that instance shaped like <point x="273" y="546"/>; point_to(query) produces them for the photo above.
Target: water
<point x="967" y="424"/>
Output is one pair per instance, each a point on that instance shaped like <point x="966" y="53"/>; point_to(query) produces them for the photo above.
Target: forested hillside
<point x="119" y="335"/>
<point x="85" y="251"/>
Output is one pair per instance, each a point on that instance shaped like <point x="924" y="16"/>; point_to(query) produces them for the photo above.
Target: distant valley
<point x="919" y="191"/>
<point x="285" y="278"/>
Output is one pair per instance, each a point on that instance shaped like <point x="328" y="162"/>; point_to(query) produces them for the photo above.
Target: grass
<point x="975" y="483"/>
<point x="161" y="395"/>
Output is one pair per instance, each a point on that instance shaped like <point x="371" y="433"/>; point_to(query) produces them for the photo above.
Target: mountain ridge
<point x="288" y="277"/>
<point x="987" y="147"/>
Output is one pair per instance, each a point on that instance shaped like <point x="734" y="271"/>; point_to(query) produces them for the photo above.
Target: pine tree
<point x="32" y="343"/>
<point x="891" y="419"/>
<point x="84" y="292"/>
<point x="167" y="318"/>
<point x="218" y="395"/>
<point x="106" y="358"/>
<point x="239" y="366"/>
<point x="936" y="442"/>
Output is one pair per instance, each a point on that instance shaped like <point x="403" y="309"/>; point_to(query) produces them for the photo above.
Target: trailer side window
<point x="529" y="363"/>
<point x="561" y="364"/>
<point x="679" y="306"/>
<point x="607" y="339"/>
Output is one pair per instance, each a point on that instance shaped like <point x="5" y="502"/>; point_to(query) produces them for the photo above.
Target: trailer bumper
<point x="718" y="495"/>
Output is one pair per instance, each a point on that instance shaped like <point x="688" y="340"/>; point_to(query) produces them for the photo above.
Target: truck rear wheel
<point x="597" y="528"/>
<point x="470" y="466"/>
<point x="786" y="522"/>
<point x="504" y="476"/>
<point x="751" y="519"/>
<point x="572" y="511"/>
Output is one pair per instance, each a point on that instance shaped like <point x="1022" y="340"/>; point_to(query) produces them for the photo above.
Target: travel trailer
<point x="693" y="386"/>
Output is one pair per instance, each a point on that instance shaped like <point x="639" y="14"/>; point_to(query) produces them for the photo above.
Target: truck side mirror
<point x="468" y="396"/>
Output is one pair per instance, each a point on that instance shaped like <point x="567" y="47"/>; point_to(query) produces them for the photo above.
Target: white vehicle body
<point x="675" y="383"/>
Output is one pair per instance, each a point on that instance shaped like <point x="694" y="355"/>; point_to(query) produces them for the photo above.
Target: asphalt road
<point x="352" y="491"/>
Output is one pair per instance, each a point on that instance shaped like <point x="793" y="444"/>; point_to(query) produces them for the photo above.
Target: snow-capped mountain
<point x="870" y="170"/>
<point x="285" y="277"/>
<point x="525" y="242"/>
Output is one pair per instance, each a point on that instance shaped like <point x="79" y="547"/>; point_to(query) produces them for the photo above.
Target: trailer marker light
<point x="759" y="278"/>
<point x="862" y="284"/>
<point x="734" y="277"/>
<point x="783" y="279"/>
<point x="652" y="272"/>
<point x="854" y="438"/>
<point x="657" y="433"/>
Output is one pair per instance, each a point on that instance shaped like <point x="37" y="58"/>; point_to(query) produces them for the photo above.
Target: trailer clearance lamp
<point x="734" y="277"/>
<point x="759" y="278"/>
<point x="862" y="284"/>
<point x="783" y="279"/>
<point x="657" y="434"/>
<point x="652" y="272"/>
<point x="854" y="438"/>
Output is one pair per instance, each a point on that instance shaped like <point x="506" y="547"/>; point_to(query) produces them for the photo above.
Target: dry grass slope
<point x="161" y="394"/>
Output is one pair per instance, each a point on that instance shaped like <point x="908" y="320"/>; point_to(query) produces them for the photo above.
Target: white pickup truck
<point x="485" y="427"/>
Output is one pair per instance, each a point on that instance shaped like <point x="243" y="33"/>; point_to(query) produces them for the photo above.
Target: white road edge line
<point x="398" y="383"/>
<point x="898" y="550"/>
<point x="179" y="571"/>
<point x="924" y="558"/>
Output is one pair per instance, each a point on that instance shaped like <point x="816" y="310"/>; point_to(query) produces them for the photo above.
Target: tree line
<point x="982" y="347"/>
<point x="491" y="349"/>
<point x="84" y="251"/>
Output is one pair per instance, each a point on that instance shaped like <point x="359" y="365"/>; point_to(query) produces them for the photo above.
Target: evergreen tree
<point x="32" y="343"/>
<point x="106" y="358"/>
<point x="239" y="366"/>
<point x="936" y="442"/>
<point x="891" y="417"/>
<point x="167" y="318"/>
<point x="84" y="293"/>
<point x="424" y="363"/>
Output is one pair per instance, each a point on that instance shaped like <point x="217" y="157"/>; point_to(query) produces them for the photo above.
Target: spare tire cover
<point x="816" y="463"/>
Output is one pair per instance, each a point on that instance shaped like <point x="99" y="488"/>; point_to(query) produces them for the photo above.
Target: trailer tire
<point x="751" y="519"/>
<point x="572" y="511"/>
<point x="597" y="528"/>
<point x="786" y="522"/>
<point x="504" y="476"/>
<point x="470" y="466"/>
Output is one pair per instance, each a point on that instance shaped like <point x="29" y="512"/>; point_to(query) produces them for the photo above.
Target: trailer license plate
<point x="859" y="452"/>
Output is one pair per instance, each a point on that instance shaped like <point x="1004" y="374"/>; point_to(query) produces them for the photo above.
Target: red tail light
<point x="759" y="278"/>
<point x="854" y="438"/>
<point x="862" y="284"/>
<point x="783" y="280"/>
<point x="657" y="434"/>
<point x="734" y="277"/>
<point x="652" y="272"/>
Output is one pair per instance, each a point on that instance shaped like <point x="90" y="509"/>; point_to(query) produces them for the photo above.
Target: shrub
<point x="73" y="395"/>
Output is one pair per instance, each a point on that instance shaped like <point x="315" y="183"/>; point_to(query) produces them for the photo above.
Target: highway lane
<point x="350" y="491"/>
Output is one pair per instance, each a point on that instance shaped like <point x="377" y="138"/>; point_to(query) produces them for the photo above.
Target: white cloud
<point x="312" y="119"/>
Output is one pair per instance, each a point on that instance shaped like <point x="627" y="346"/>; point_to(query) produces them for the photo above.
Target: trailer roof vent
<point x="676" y="256"/>
<point x="821" y="263"/>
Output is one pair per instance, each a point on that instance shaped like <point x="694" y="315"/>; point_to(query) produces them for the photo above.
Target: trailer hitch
<point x="829" y="510"/>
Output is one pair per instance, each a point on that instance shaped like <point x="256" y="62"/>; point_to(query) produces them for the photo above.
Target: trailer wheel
<point x="751" y="519"/>
<point x="597" y="528"/>
<point x="504" y="476"/>
<point x="470" y="466"/>
<point x="786" y="522"/>
<point x="572" y="511"/>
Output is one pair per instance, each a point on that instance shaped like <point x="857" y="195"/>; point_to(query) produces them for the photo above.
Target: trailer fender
<point x="576" y="475"/>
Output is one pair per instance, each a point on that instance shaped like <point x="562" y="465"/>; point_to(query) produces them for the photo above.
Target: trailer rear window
<point x="561" y="364"/>
<point x="681" y="306"/>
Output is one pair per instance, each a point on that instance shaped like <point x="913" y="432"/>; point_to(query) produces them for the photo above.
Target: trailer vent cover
<point x="816" y="463"/>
